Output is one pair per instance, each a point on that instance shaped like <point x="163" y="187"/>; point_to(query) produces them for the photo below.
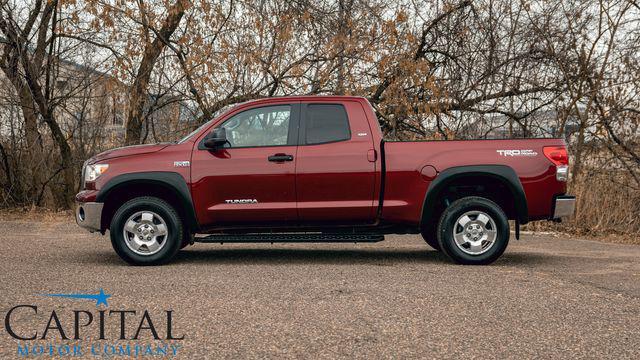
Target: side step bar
<point x="289" y="238"/>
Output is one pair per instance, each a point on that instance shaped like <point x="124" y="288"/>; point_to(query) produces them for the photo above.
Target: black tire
<point x="174" y="237"/>
<point x="430" y="235"/>
<point x="449" y="220"/>
<point x="186" y="239"/>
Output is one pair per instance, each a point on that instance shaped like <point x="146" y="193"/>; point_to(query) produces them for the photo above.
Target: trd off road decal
<point x="522" y="152"/>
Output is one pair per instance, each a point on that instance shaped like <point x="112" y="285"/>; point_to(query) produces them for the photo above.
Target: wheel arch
<point x="166" y="185"/>
<point x="497" y="174"/>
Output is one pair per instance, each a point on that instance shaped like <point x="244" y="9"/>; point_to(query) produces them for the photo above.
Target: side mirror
<point x="216" y="139"/>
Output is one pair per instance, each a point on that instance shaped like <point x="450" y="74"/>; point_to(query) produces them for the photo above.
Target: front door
<point x="252" y="179"/>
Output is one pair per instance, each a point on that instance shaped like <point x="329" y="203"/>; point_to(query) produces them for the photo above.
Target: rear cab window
<point x="325" y="123"/>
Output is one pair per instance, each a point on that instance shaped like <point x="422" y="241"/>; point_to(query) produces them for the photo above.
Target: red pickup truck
<point x="316" y="169"/>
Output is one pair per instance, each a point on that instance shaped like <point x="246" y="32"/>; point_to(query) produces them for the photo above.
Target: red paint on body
<point x="332" y="183"/>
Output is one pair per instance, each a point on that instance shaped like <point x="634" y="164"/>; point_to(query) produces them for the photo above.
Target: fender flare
<point x="502" y="173"/>
<point x="171" y="180"/>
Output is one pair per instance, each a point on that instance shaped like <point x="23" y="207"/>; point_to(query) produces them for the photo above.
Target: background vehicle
<point x="317" y="169"/>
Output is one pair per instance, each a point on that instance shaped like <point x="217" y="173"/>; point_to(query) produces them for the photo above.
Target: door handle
<point x="280" y="158"/>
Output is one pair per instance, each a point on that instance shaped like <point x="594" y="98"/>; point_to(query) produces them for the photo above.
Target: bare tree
<point x="437" y="69"/>
<point x="24" y="62"/>
<point x="152" y="49"/>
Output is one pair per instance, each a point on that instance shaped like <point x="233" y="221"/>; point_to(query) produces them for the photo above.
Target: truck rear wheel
<point x="473" y="231"/>
<point x="146" y="231"/>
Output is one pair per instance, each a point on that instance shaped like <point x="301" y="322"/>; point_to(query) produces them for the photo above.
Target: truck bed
<point x="405" y="186"/>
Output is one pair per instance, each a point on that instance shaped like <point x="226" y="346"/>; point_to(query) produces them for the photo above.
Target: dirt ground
<point x="547" y="297"/>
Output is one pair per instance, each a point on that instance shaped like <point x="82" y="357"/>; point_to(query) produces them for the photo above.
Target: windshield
<point x="213" y="117"/>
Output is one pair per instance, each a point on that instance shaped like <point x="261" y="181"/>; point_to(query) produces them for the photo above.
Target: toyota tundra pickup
<point x="317" y="169"/>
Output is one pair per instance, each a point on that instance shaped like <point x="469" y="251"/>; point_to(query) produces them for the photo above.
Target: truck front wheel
<point x="146" y="231"/>
<point x="473" y="230"/>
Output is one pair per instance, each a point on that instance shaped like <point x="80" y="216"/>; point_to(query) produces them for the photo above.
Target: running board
<point x="290" y="238"/>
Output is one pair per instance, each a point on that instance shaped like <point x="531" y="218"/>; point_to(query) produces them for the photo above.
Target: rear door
<point x="251" y="180"/>
<point x="335" y="169"/>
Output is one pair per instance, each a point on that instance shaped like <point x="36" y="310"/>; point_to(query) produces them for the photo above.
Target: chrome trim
<point x="145" y="233"/>
<point x="92" y="215"/>
<point x="564" y="206"/>
<point x="562" y="173"/>
<point x="475" y="232"/>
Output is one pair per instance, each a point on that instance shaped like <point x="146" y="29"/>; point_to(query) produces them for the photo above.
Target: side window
<point x="265" y="126"/>
<point x="326" y="123"/>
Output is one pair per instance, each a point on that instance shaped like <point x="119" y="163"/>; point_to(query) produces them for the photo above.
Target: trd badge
<point x="181" y="163"/>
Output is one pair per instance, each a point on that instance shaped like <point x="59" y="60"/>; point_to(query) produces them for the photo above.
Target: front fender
<point x="172" y="181"/>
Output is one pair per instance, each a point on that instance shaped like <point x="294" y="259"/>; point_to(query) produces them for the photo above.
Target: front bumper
<point x="88" y="215"/>
<point x="564" y="206"/>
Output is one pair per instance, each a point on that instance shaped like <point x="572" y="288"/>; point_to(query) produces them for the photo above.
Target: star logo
<point x="100" y="298"/>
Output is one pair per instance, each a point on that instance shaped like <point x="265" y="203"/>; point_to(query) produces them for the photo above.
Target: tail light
<point x="560" y="158"/>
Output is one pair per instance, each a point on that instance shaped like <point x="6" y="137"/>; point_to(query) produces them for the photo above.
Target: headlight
<point x="94" y="171"/>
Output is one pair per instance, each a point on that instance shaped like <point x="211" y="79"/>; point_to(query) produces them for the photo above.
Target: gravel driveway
<point x="546" y="297"/>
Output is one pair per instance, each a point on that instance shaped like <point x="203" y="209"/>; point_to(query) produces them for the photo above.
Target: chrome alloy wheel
<point x="475" y="232"/>
<point x="145" y="233"/>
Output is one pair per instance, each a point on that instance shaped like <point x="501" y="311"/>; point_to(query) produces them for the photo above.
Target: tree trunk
<point x="138" y="94"/>
<point x="66" y="161"/>
<point x="34" y="152"/>
<point x="578" y="153"/>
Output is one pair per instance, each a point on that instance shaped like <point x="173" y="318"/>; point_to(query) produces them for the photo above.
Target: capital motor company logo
<point x="99" y="333"/>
